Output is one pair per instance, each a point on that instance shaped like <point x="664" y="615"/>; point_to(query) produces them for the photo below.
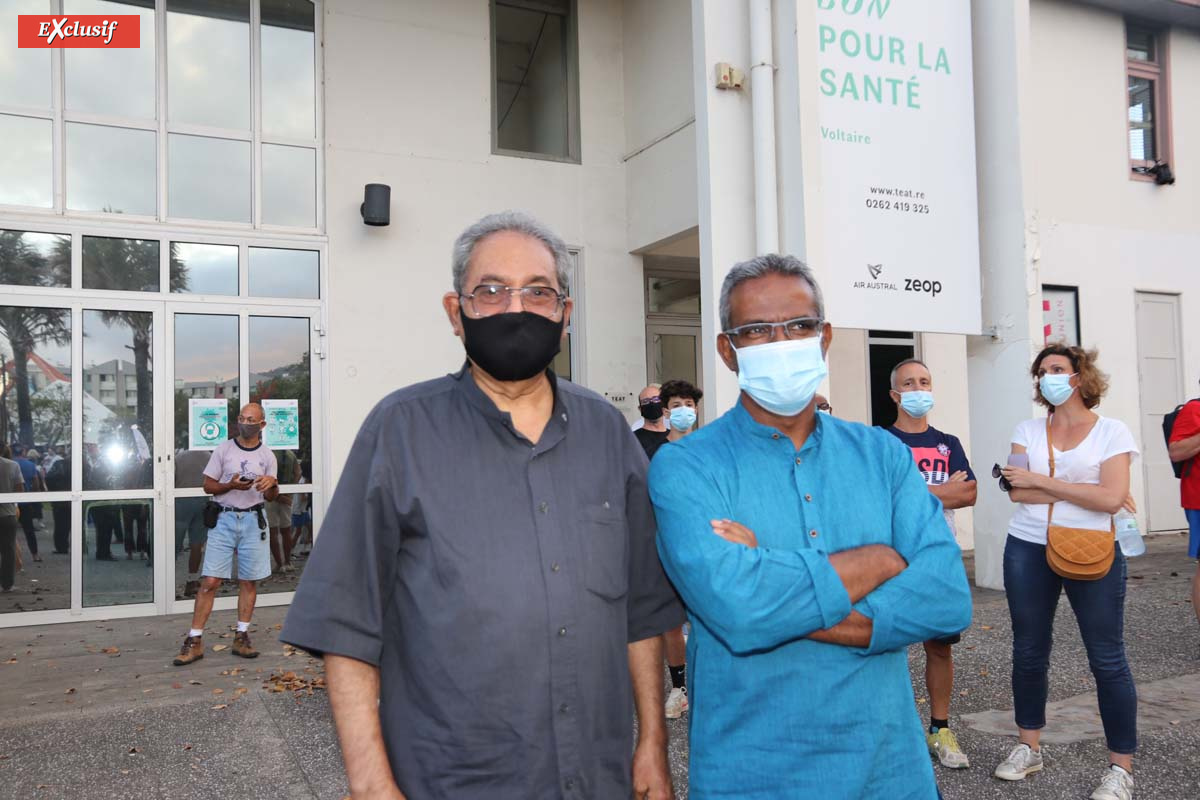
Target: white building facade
<point x="190" y="210"/>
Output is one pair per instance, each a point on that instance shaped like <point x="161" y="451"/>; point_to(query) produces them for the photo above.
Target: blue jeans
<point x="1033" y="590"/>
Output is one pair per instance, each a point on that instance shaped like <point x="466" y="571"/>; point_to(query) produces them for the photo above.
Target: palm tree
<point x="22" y="264"/>
<point x="132" y="265"/>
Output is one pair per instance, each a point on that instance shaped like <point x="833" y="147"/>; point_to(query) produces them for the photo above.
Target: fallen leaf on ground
<point x="218" y="691"/>
<point x="222" y="705"/>
<point x="70" y="691"/>
<point x="140" y="728"/>
<point x="986" y="627"/>
<point x="11" y="661"/>
<point x="195" y="683"/>
<point x="176" y="685"/>
<point x="219" y="647"/>
<point x="291" y="682"/>
<point x="134" y="750"/>
<point x="111" y="650"/>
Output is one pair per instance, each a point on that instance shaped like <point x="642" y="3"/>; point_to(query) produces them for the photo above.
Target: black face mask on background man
<point x="514" y="346"/>
<point x="652" y="412"/>
<point x="249" y="430"/>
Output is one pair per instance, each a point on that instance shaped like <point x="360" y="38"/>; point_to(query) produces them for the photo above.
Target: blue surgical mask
<point x="916" y="403"/>
<point x="683" y="418"/>
<point x="782" y="377"/>
<point x="1057" y="389"/>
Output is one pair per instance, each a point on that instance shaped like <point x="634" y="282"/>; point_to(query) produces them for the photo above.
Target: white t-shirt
<point x="1108" y="438"/>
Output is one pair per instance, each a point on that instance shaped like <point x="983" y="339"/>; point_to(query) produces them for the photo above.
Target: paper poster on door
<point x="283" y="424"/>
<point x="208" y="423"/>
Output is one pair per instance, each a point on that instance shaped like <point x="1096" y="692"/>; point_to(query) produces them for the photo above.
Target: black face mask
<point x="652" y="411"/>
<point x="514" y="346"/>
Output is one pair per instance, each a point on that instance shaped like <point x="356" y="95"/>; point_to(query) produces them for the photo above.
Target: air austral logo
<point x="83" y="30"/>
<point x="875" y="270"/>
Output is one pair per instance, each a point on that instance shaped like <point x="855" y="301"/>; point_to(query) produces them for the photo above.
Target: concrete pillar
<point x="998" y="362"/>
<point x="725" y="174"/>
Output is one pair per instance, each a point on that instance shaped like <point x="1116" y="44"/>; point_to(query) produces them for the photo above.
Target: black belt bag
<point x="213" y="510"/>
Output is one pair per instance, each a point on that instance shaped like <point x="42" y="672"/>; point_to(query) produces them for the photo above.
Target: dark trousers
<point x="1033" y="590"/>
<point x="138" y="516"/>
<point x="108" y="522"/>
<point x="8" y="551"/>
<point x="27" y="512"/>
<point x="62" y="526"/>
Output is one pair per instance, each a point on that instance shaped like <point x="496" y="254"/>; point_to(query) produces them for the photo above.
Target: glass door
<point x="39" y="545"/>
<point x="673" y="352"/>
<point x="222" y="357"/>
<point x="118" y="386"/>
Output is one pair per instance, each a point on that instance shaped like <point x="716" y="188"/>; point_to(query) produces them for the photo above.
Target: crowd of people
<point x="24" y="469"/>
<point x="505" y="567"/>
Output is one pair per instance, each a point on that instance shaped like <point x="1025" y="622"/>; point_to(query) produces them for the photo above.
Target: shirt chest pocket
<point x="604" y="538"/>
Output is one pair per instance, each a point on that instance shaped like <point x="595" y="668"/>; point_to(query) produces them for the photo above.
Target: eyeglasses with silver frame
<point x="763" y="332"/>
<point x="493" y="298"/>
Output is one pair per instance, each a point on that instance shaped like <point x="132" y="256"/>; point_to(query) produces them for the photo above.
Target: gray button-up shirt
<point x="495" y="583"/>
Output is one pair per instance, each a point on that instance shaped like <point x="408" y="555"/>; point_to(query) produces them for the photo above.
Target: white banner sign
<point x="896" y="113"/>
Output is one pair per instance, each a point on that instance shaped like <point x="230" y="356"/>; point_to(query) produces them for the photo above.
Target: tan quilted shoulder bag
<point x="1081" y="554"/>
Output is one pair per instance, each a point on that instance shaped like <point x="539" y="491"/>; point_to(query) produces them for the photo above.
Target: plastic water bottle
<point x="1128" y="535"/>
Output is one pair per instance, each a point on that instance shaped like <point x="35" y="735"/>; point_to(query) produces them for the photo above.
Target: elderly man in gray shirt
<point x="485" y="584"/>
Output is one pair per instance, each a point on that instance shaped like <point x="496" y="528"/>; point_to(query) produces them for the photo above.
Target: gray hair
<point x="770" y="264"/>
<point x="517" y="221"/>
<point x="905" y="363"/>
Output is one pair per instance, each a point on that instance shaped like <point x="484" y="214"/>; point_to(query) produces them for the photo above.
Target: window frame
<point x="256" y="137"/>
<point x="165" y="234"/>
<point x="574" y="144"/>
<point x="1157" y="71"/>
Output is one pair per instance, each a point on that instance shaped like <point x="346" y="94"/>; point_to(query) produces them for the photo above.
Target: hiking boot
<point x="192" y="650"/>
<point x="944" y="745"/>
<point x="242" y="646"/>
<point x="1022" y="761"/>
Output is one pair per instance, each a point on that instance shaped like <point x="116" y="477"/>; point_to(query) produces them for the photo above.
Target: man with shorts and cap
<point x="241" y="477"/>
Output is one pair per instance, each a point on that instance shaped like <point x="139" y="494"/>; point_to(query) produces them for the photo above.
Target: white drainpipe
<point x="762" y="89"/>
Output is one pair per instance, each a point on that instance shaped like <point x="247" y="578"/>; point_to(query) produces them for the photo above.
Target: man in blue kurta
<point x="810" y="556"/>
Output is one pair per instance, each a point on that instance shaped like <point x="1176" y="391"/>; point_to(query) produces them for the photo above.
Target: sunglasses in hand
<point x="1005" y="486"/>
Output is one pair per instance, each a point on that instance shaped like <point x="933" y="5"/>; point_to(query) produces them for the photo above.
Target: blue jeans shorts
<point x="1193" y="518"/>
<point x="237" y="531"/>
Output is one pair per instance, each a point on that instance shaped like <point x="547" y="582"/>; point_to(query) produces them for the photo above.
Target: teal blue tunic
<point x="773" y="714"/>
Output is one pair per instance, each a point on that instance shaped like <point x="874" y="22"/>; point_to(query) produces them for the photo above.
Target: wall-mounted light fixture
<point x="376" y="205"/>
<point x="1162" y="173"/>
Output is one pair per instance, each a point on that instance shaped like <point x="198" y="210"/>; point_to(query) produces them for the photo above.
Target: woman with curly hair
<point x="1090" y="482"/>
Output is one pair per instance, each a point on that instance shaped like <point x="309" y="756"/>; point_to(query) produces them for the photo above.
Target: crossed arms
<point x="876" y="597"/>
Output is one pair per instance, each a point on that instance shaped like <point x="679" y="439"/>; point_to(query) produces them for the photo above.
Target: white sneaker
<point x="677" y="703"/>
<point x="1117" y="784"/>
<point x="1022" y="761"/>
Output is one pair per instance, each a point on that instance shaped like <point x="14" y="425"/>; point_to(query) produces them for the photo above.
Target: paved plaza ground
<point x="94" y="710"/>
